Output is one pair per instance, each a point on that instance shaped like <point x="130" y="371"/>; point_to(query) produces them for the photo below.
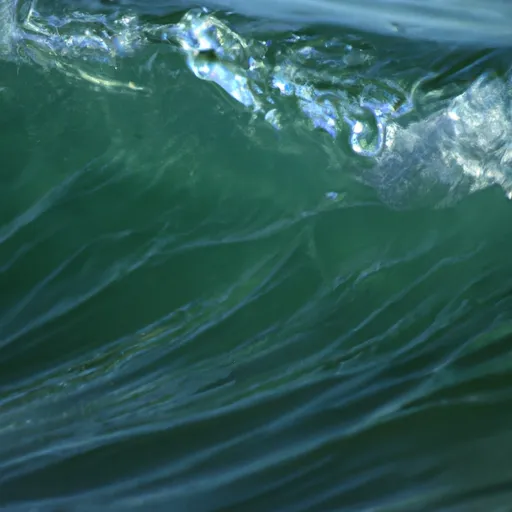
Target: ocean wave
<point x="208" y="316"/>
<point x="413" y="135"/>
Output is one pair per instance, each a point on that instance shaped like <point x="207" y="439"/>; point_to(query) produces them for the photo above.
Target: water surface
<point x="205" y="306"/>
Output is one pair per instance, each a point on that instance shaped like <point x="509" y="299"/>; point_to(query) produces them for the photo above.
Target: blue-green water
<point x="206" y="308"/>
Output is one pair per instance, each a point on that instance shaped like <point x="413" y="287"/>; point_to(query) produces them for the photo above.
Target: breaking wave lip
<point x="469" y="22"/>
<point x="462" y="147"/>
<point x="310" y="82"/>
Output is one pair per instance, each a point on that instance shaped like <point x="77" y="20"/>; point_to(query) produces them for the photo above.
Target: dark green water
<point x="187" y="323"/>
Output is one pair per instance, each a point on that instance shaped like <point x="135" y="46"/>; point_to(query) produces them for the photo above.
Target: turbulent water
<point x="254" y="260"/>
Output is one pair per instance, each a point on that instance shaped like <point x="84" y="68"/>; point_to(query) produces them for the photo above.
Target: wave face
<point x="246" y="265"/>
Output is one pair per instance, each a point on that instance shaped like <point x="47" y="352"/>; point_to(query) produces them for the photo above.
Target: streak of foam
<point x="465" y="147"/>
<point x="75" y="42"/>
<point x="7" y="27"/>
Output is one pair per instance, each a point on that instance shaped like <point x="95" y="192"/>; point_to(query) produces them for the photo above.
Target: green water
<point x="187" y="323"/>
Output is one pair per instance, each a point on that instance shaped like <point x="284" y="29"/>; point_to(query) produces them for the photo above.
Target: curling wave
<point x="414" y="144"/>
